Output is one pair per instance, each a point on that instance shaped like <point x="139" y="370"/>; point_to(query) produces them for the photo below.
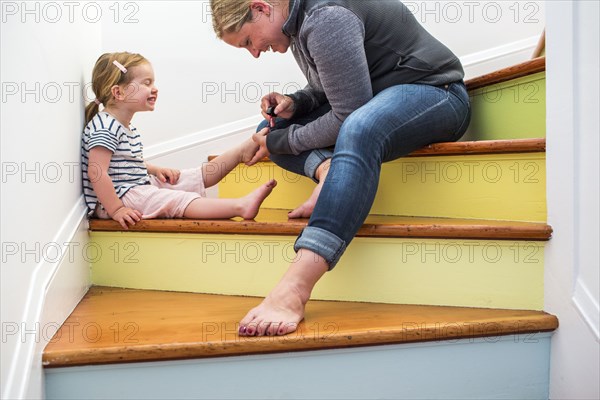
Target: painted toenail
<point x="242" y="330"/>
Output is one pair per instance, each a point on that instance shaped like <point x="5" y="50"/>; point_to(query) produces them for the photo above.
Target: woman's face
<point x="263" y="32"/>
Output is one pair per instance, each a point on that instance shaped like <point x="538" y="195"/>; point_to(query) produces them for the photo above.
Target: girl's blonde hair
<point x="106" y="74"/>
<point x="229" y="15"/>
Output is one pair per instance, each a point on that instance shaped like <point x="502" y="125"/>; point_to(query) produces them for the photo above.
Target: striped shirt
<point x="126" y="169"/>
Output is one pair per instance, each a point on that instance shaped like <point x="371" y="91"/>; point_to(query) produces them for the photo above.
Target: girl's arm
<point x="163" y="174"/>
<point x="99" y="160"/>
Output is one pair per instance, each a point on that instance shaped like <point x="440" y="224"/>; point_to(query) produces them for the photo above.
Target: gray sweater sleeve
<point x="334" y="39"/>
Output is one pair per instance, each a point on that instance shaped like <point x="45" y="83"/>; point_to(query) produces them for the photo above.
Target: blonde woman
<point x="379" y="87"/>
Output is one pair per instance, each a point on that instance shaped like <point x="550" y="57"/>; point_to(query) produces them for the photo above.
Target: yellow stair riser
<point x="472" y="273"/>
<point x="498" y="187"/>
<point x="510" y="110"/>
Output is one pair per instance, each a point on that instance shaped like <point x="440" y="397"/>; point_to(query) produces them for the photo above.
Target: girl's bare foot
<point x="283" y="309"/>
<point x="305" y="210"/>
<point x="250" y="203"/>
<point x="247" y="150"/>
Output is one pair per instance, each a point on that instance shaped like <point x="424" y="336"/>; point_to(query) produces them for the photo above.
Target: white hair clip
<point x="120" y="66"/>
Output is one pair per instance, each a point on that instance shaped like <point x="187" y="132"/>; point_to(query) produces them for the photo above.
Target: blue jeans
<point x="394" y="123"/>
<point x="305" y="163"/>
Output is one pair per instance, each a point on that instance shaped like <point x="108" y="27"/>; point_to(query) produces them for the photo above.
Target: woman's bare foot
<point x="278" y="314"/>
<point x="250" y="203"/>
<point x="283" y="309"/>
<point x="305" y="210"/>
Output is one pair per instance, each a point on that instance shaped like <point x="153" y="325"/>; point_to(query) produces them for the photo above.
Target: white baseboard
<point x="57" y="286"/>
<point x="587" y="307"/>
<point x="199" y="138"/>
<point x="496" y="58"/>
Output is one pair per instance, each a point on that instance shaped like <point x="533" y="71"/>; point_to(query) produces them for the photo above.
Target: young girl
<point x="119" y="184"/>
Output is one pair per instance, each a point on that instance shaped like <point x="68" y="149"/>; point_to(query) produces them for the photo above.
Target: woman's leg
<point x="307" y="162"/>
<point x="313" y="164"/>
<point x="396" y="122"/>
<point x="305" y="209"/>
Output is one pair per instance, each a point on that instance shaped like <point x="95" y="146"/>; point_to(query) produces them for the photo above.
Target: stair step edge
<point x="525" y="68"/>
<point x="478" y="147"/>
<point x="397" y="227"/>
<point x="211" y="331"/>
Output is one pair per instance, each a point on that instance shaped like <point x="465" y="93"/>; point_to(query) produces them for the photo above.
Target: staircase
<point x="439" y="296"/>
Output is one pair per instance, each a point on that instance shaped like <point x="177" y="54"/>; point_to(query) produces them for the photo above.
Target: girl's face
<point x="140" y="94"/>
<point x="263" y="32"/>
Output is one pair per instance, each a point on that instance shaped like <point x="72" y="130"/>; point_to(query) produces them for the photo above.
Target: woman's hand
<point x="126" y="215"/>
<point x="260" y="138"/>
<point x="284" y="105"/>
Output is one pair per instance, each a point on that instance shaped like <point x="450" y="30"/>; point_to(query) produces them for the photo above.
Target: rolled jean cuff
<point x="314" y="159"/>
<point x="321" y="242"/>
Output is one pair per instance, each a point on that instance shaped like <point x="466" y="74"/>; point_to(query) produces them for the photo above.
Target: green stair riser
<point x="500" y="187"/>
<point x="510" y="110"/>
<point x="472" y="273"/>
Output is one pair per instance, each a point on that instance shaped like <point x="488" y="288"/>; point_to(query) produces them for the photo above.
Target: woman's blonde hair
<point x="229" y="15"/>
<point x="106" y="74"/>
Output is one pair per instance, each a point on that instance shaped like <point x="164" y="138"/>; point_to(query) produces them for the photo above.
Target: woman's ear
<point x="261" y="6"/>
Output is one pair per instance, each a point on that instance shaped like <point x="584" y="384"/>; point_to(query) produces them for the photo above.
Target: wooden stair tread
<point x="535" y="145"/>
<point x="528" y="67"/>
<point x="123" y="325"/>
<point x="276" y="222"/>
<point x="504" y="146"/>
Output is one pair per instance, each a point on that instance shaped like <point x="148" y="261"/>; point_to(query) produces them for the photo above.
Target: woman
<point x="379" y="87"/>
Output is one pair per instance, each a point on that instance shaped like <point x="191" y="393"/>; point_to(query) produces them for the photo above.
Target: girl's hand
<point x="260" y="139"/>
<point x="284" y="105"/>
<point x="167" y="175"/>
<point x="126" y="215"/>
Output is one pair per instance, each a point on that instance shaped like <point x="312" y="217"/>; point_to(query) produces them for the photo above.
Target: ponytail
<point x="91" y="110"/>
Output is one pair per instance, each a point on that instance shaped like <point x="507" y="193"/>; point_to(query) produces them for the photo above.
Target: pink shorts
<point x="163" y="200"/>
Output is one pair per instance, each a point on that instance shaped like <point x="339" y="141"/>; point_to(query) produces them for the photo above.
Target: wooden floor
<point x="276" y="222"/>
<point x="123" y="325"/>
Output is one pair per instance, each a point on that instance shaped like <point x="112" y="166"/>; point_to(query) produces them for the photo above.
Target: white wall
<point x="207" y="90"/>
<point x="571" y="269"/>
<point x="45" y="61"/>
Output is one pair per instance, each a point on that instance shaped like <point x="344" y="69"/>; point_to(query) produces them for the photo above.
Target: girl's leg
<point x="396" y="122"/>
<point x="246" y="207"/>
<point x="214" y="171"/>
